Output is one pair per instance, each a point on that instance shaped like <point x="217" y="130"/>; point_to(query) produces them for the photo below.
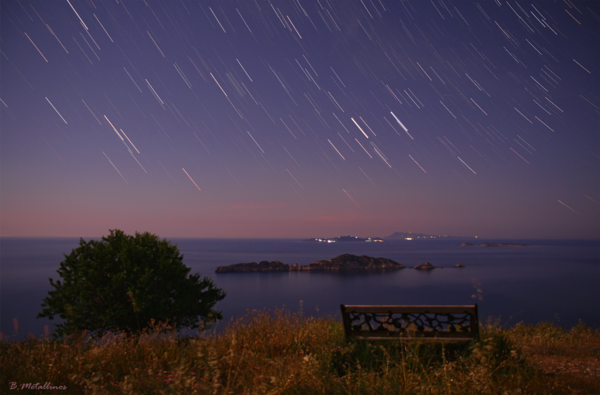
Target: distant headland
<point x="393" y="236"/>
<point x="413" y="236"/>
<point x="340" y="264"/>
<point x="345" y="239"/>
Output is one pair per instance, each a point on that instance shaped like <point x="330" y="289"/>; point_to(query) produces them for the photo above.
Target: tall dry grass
<point x="279" y="352"/>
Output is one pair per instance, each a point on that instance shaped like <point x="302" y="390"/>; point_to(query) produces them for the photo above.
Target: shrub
<point x="125" y="283"/>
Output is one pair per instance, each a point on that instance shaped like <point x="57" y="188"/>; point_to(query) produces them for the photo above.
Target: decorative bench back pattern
<point x="438" y="323"/>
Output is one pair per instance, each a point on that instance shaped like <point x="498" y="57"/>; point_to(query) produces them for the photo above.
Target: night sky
<point x="300" y="118"/>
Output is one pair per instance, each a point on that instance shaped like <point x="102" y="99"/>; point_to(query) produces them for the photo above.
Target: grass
<point x="281" y="352"/>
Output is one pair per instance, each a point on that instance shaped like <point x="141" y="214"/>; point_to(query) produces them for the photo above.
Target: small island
<point x="425" y="266"/>
<point x="341" y="264"/>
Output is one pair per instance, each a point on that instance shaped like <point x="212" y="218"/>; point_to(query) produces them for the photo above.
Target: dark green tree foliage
<point x="123" y="282"/>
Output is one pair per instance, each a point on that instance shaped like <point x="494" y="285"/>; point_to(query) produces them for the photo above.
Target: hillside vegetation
<point x="281" y="352"/>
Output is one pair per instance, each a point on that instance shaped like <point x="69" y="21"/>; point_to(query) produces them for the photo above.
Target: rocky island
<point x="349" y="262"/>
<point x="341" y="264"/>
<point x="425" y="266"/>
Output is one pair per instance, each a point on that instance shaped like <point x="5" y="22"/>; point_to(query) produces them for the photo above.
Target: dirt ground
<point x="575" y="369"/>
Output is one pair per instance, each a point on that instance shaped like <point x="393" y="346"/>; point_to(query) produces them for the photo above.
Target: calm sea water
<point x="554" y="280"/>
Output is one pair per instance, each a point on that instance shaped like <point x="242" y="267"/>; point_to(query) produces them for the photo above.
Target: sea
<point x="548" y="280"/>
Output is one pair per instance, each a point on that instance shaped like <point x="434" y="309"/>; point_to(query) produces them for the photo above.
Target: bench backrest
<point x="439" y="323"/>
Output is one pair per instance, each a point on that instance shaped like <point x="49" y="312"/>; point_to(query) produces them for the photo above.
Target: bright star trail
<point x="442" y="117"/>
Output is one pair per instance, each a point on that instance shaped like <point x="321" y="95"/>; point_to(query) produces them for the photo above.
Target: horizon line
<point x="308" y="238"/>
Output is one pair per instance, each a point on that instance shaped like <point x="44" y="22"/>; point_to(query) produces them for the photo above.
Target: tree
<point x="123" y="282"/>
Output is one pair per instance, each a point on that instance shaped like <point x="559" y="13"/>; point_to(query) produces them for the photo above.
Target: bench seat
<point x="454" y="323"/>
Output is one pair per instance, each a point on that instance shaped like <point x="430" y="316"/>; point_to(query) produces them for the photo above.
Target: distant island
<point x="340" y="264"/>
<point x="413" y="236"/>
<point x="345" y="239"/>
<point x="393" y="236"/>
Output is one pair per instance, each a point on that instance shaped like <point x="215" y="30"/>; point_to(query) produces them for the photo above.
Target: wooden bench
<point x="430" y="323"/>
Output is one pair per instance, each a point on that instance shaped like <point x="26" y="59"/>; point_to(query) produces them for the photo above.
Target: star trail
<point x="300" y="118"/>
